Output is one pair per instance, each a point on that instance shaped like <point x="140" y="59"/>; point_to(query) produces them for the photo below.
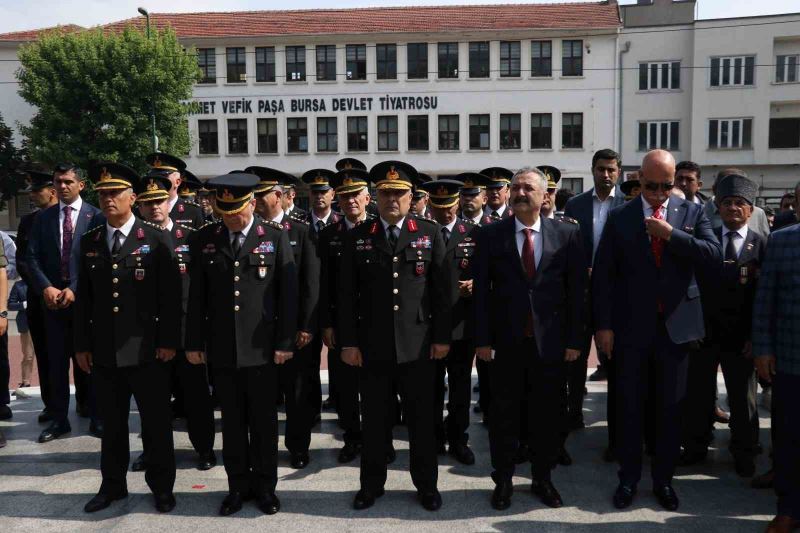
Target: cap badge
<point x="319" y="179"/>
<point x="227" y="196"/>
<point x="105" y="175"/>
<point x="392" y="174"/>
<point x="156" y="162"/>
<point x="152" y="186"/>
<point x="442" y="191"/>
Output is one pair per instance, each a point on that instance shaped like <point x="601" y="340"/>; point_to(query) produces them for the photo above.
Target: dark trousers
<point x="5" y="371"/>
<point x="149" y="385"/>
<point x="701" y="396"/>
<point x="315" y="384"/>
<point x="249" y="426"/>
<point x="484" y="386"/>
<point x="36" y="325"/>
<point x="348" y="407"/>
<point x="458" y="365"/>
<point x="193" y="385"/>
<point x="786" y="445"/>
<point x="294" y="381"/>
<point x="668" y="363"/>
<point x="576" y="379"/>
<point x="519" y="373"/>
<point x="60" y="352"/>
<point x="415" y="382"/>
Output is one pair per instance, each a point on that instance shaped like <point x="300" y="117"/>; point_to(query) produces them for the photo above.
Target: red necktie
<point x="66" y="242"/>
<point x="529" y="262"/>
<point x="657" y="243"/>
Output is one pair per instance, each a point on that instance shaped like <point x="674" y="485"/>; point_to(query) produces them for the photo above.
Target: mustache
<point x="520" y="200"/>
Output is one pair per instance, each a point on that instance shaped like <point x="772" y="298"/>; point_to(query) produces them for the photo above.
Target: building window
<point x="327" y="135"/>
<point x="356" y="61"/>
<point x="386" y="61"/>
<point x="326" y="62"/>
<point x="572" y="130"/>
<point x="572" y="184"/>
<point x="542" y="58"/>
<point x="267" y="129"/>
<point x="479" y="132"/>
<point x="732" y="71"/>
<point x="237" y="136"/>
<point x="448" y="132"/>
<point x="784" y="133"/>
<point x="655" y="76"/>
<point x="664" y="135"/>
<point x="297" y="134"/>
<point x="417" y="61"/>
<point x="209" y="140"/>
<point x="265" y="63"/>
<point x="295" y="63"/>
<point x="730" y="133"/>
<point x="207" y="61"/>
<point x="387" y="133"/>
<point x="448" y="60"/>
<point x="237" y="66"/>
<point x="572" y="58"/>
<point x="510" y="129"/>
<point x="541" y="131"/>
<point x="509" y="59"/>
<point x="479" y="60"/>
<point x="357" y="140"/>
<point x="418" y="132"/>
<point x="786" y="69"/>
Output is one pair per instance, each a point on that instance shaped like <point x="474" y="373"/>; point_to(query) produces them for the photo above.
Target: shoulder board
<point x="467" y="222"/>
<point x="192" y="203"/>
<point x="299" y="219"/>
<point x="426" y="220"/>
<point x="152" y="225"/>
<point x="568" y="220"/>
<point x="210" y="223"/>
<point x="271" y="224"/>
<point x="96" y="228"/>
<point x="188" y="228"/>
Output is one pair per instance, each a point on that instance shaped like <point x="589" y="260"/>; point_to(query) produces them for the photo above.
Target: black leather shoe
<point x="165" y="502"/>
<point x="300" y="460"/>
<point x="547" y="493"/>
<point x="140" y="464"/>
<point x="83" y="410"/>
<point x="623" y="496"/>
<point x="365" y="499"/>
<point x="599" y="375"/>
<point x="328" y="404"/>
<point x="688" y="458"/>
<point x="764" y="481"/>
<point x="349" y="452"/>
<point x="54" y="430"/>
<point x="609" y="455"/>
<point x="45" y="416"/>
<point x="231" y="504"/>
<point x="5" y="412"/>
<point x="745" y="466"/>
<point x="268" y="503"/>
<point x="501" y="497"/>
<point x="432" y="501"/>
<point x="391" y="455"/>
<point x="206" y="461"/>
<point x="462" y="453"/>
<point x="96" y="429"/>
<point x="564" y="458"/>
<point x="666" y="497"/>
<point x="575" y="422"/>
<point x="522" y="455"/>
<point x="101" y="501"/>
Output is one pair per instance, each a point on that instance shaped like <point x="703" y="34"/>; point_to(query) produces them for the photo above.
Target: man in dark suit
<point x="181" y="211"/>
<point x="127" y="326"/>
<point x="529" y="277"/>
<point x="394" y="301"/>
<point x="788" y="217"/>
<point x="53" y="259"/>
<point x="647" y="310"/>
<point x="497" y="193"/>
<point x="243" y="321"/>
<point x="43" y="195"/>
<point x="591" y="210"/>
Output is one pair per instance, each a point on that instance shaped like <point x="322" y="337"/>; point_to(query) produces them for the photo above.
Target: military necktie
<point x="320" y="225"/>
<point x="495" y="214"/>
<point x="446" y="234"/>
<point x="730" y="248"/>
<point x="117" y="244"/>
<point x="392" y="237"/>
<point x="237" y="243"/>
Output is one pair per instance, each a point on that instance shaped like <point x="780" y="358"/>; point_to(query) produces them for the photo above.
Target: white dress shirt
<point x="315" y="218"/>
<point x="477" y="219"/>
<point x="169" y="225"/>
<point x="279" y="218"/>
<point x="600" y="210"/>
<point x="648" y="209"/>
<point x="449" y="227"/>
<point x="738" y="239"/>
<point x="500" y="210"/>
<point x="244" y="232"/>
<point x="537" y="238"/>
<point x="351" y="225"/>
<point x="76" y="209"/>
<point x="172" y="202"/>
<point x="125" y="229"/>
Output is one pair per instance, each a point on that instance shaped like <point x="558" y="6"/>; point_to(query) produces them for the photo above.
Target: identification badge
<point x="420" y="268"/>
<point x="262" y="272"/>
<point x="182" y="268"/>
<point x="139" y="274"/>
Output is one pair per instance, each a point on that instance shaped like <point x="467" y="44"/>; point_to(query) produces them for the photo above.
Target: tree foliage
<point x="93" y="93"/>
<point x="11" y="158"/>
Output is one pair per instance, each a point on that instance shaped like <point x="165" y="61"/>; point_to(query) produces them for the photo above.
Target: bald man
<point x="647" y="313"/>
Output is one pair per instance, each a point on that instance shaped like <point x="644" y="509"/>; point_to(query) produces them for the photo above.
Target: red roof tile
<point x="31" y="35"/>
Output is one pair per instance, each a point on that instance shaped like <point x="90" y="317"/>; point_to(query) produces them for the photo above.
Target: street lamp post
<point x="144" y="12"/>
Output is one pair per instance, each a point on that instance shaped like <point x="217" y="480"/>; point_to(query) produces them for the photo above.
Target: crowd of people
<point x="227" y="303"/>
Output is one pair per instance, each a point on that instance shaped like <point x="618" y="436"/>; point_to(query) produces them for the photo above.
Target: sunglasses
<point x="654" y="187"/>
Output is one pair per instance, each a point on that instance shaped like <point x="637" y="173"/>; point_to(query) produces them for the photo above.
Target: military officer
<point x="242" y="320"/>
<point x="394" y="321"/>
<point x="180" y="211"/>
<point x="348" y="163"/>
<point x="190" y="184"/>
<point x="127" y="326"/>
<point x="287" y="200"/>
<point x="459" y="242"/>
<point x="497" y="192"/>
<point x="421" y="198"/>
<point x="190" y="382"/>
<point x="294" y="377"/>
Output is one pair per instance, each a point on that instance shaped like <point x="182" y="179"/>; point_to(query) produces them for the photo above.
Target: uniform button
<point x="395" y="291"/>
<point x="235" y="307"/>
<point x="395" y="275"/>
<point x="236" y="263"/>
<point x="396" y="307"/>
<point x="115" y="280"/>
<point x="395" y="259"/>
<point x="116" y="309"/>
<point x="115" y="295"/>
<point x="235" y="278"/>
<point x="236" y="293"/>
<point x="261" y="256"/>
<point x="419" y="252"/>
<point x="114" y="266"/>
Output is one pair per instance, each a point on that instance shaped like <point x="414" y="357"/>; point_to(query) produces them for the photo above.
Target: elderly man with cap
<point x="758" y="220"/>
<point x="127" y="326"/>
<point x="353" y="196"/>
<point x="287" y="199"/>
<point x="181" y="211"/>
<point x="394" y="321"/>
<point x="421" y="198"/>
<point x="190" y="184"/>
<point x="243" y="321"/>
<point x="459" y="238"/>
<point x="728" y="291"/>
<point x="497" y="193"/>
<point x="296" y="375"/>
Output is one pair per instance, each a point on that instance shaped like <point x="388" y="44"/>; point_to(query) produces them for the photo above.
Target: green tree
<point x="93" y="92"/>
<point x="11" y="159"/>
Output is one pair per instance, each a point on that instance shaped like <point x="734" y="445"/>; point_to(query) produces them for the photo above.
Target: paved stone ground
<point x="43" y="487"/>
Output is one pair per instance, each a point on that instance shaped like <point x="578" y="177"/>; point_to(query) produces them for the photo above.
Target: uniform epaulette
<point x="156" y="226"/>
<point x="564" y="218"/>
<point x="192" y="203"/>
<point x="272" y="224"/>
<point x="188" y="228"/>
<point x="423" y="219"/>
<point x="299" y="219"/>
<point x="93" y="229"/>
<point x="210" y="223"/>
<point x="468" y="222"/>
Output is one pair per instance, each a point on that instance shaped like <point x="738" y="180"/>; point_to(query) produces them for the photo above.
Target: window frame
<point x="386" y="67"/>
<point x="565" y="134"/>
<point x="476" y="133"/>
<point x="239" y="66"/>
<point x="569" y="183"/>
<point x="358" y="120"/>
<point x="386" y="134"/>
<point x="449" y="47"/>
<point x="204" y="137"/>
<point x="267" y="137"/>
<point x="509" y="118"/>
<point x="240" y="137"/>
<point x="784" y="70"/>
<point x="726" y="76"/>
<point x="507" y="69"/>
<point x="328" y="70"/>
<point x="418" y="133"/>
<point x="653" y="74"/>
<point x="420" y="61"/>
<point x="654" y="133"/>
<point x="209" y="70"/>
<point x="479" y="59"/>
<point x="449" y="134"/>
<point x="328" y="136"/>
<point x="571" y="65"/>
<point x="356" y="68"/>
<point x="545" y="63"/>
<point x="297" y="132"/>
<point x="745" y="124"/>
<point x="298" y="56"/>
<point x="263" y="67"/>
<point x="548" y="128"/>
<point x="773" y="123"/>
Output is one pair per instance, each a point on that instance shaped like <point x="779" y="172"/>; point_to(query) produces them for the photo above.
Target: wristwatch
<point x="3" y="314"/>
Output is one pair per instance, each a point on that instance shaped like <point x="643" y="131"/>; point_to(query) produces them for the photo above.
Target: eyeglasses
<point x="654" y="187"/>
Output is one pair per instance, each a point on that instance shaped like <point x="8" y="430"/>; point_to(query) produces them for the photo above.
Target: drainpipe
<point x="624" y="50"/>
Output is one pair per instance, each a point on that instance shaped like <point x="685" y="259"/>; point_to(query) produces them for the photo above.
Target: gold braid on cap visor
<point x="444" y="203"/>
<point x="108" y="182"/>
<point x="229" y="206"/>
<point x="264" y="186"/>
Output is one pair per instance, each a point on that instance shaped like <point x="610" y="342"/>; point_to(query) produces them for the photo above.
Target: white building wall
<point x="13" y="108"/>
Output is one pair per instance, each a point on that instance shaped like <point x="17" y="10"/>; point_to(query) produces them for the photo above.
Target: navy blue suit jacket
<point x="627" y="285"/>
<point x="581" y="208"/>
<point x="44" y="248"/>
<point x="503" y="296"/>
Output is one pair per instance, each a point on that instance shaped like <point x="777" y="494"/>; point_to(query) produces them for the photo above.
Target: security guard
<point x="294" y="377"/>
<point x="190" y="382"/>
<point x="497" y="192"/>
<point x="242" y="320"/>
<point x="394" y="319"/>
<point x="127" y="326"/>
<point x="459" y="242"/>
<point x="180" y="211"/>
